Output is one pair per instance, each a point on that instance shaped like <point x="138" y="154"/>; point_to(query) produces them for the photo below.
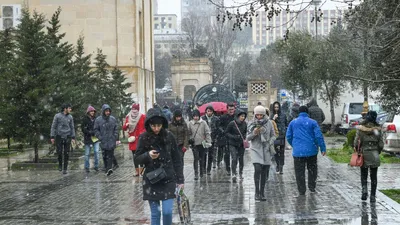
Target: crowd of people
<point x="160" y="138"/>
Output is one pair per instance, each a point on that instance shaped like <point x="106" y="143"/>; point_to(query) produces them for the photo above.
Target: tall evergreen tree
<point x="102" y="78"/>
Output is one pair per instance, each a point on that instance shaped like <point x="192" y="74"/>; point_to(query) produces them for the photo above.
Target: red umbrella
<point x="219" y="107"/>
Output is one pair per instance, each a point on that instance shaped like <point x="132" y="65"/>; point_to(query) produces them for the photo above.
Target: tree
<point x="295" y="52"/>
<point x="269" y="66"/>
<point x="7" y="128"/>
<point x="101" y="78"/>
<point x="242" y="72"/>
<point x="29" y="87"/>
<point x="162" y="68"/>
<point x="193" y="25"/>
<point x="199" y="52"/>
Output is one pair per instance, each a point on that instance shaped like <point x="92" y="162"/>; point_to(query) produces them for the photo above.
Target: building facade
<point x="302" y="21"/>
<point x="165" y="23"/>
<point x="172" y="44"/>
<point x="122" y="29"/>
<point x="204" y="7"/>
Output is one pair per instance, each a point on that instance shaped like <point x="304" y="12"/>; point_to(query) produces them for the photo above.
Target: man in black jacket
<point x="316" y="112"/>
<point x="223" y="144"/>
<point x="213" y="123"/>
<point x="89" y="139"/>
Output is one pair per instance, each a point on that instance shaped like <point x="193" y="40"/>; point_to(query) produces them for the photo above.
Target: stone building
<point x="122" y="29"/>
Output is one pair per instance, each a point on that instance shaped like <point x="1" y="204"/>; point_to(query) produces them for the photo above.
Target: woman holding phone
<point x="158" y="151"/>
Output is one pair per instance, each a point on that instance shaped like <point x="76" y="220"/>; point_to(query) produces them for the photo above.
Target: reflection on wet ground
<point x="47" y="197"/>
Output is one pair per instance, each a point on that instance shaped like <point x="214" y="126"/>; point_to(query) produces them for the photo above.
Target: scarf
<point x="133" y="119"/>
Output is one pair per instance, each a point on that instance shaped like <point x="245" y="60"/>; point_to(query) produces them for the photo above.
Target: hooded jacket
<point x="371" y="143"/>
<point x="281" y="121"/>
<point x="305" y="136"/>
<point x="167" y="114"/>
<point x="180" y="130"/>
<point x="63" y="126"/>
<point x="170" y="159"/>
<point x="315" y="112"/>
<point x="88" y="126"/>
<point x="294" y="112"/>
<point x="224" y="120"/>
<point x="262" y="145"/>
<point x="232" y="132"/>
<point x="106" y="129"/>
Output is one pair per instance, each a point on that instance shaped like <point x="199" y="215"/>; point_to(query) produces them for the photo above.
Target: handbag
<point x="357" y="158"/>
<point x="191" y="140"/>
<point x="156" y="175"/>
<point x="131" y="139"/>
<point x="246" y="143"/>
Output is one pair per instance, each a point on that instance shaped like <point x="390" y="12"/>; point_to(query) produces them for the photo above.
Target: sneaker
<point x="364" y="196"/>
<point x="65" y="172"/>
<point x="196" y="177"/>
<point x="59" y="168"/>
<point x="277" y="170"/>
<point x="87" y="170"/>
<point x="234" y="179"/>
<point x="372" y="199"/>
<point x="257" y="198"/>
<point x="313" y="191"/>
<point x="208" y="173"/>
<point x="96" y="169"/>
<point x="109" y="172"/>
<point x="115" y="167"/>
<point x="262" y="198"/>
<point x="241" y="176"/>
<point x="301" y="194"/>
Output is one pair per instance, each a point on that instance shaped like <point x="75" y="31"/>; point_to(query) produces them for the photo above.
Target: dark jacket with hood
<point x="224" y="120"/>
<point x="315" y="112"/>
<point x="170" y="158"/>
<point x="294" y="112"/>
<point x="232" y="132"/>
<point x="106" y="129"/>
<point x="88" y="126"/>
<point x="213" y="124"/>
<point x="281" y="121"/>
<point x="179" y="129"/>
<point x="369" y="135"/>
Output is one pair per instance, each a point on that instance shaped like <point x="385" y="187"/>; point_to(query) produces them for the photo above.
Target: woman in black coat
<point x="280" y="119"/>
<point x="157" y="148"/>
<point x="236" y="133"/>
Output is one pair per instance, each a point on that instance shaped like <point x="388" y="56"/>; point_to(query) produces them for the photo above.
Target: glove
<point x="184" y="149"/>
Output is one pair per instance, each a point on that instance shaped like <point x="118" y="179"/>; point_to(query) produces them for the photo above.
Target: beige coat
<point x="203" y="131"/>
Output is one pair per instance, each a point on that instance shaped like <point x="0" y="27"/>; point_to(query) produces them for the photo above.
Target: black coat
<point x="88" y="129"/>
<point x="170" y="157"/>
<point x="214" y="126"/>
<point x="281" y="121"/>
<point x="315" y="112"/>
<point x="224" y="120"/>
<point x="232" y="132"/>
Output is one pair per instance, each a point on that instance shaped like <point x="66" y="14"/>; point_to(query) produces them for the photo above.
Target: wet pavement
<point x="47" y="197"/>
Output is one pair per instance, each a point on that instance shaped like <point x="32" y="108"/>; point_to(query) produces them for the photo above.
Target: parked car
<point x="352" y="111"/>
<point x="380" y="119"/>
<point x="391" y="134"/>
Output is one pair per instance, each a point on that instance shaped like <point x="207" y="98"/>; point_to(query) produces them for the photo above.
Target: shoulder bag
<point x="357" y="158"/>
<point x="246" y="144"/>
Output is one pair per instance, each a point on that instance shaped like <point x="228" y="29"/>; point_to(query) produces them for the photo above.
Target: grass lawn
<point x="393" y="194"/>
<point x="344" y="155"/>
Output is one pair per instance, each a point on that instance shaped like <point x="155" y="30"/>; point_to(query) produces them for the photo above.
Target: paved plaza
<point x="48" y="197"/>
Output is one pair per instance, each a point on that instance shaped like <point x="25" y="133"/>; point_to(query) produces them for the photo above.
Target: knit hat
<point x="136" y="106"/>
<point x="90" y="108"/>
<point x="156" y="120"/>
<point x="259" y="110"/>
<point x="196" y="113"/>
<point x="178" y="113"/>
<point x="303" y="108"/>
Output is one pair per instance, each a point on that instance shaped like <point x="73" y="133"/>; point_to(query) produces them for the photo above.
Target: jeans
<point x="364" y="180"/>
<point x="114" y="160"/>
<point x="237" y="154"/>
<point x="227" y="158"/>
<point x="199" y="155"/>
<point x="300" y="169"/>
<point x="96" y="154"/>
<point x="210" y="157"/>
<point x="167" y="207"/>
<point x="63" y="147"/>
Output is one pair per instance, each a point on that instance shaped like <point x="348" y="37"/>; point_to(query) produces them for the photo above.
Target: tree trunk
<point x="8" y="142"/>
<point x="332" y="110"/>
<point x="36" y="148"/>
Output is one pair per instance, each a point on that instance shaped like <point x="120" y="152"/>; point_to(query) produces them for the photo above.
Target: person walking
<point x="158" y="151"/>
<point x="179" y="129"/>
<point x="280" y="119"/>
<point x="369" y="139"/>
<point x="213" y="122"/>
<point x="316" y="112"/>
<point x="305" y="137"/>
<point x="106" y="130"/>
<point x="167" y="113"/>
<point x="223" y="142"/>
<point x="261" y="133"/>
<point x="62" y="133"/>
<point x="200" y="136"/>
<point x="236" y="132"/>
<point x="134" y="124"/>
<point x="89" y="139"/>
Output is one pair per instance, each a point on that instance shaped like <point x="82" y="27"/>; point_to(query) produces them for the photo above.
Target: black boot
<point x="257" y="196"/>
<point x="280" y="169"/>
<point x="364" y="183"/>
<point x="60" y="167"/>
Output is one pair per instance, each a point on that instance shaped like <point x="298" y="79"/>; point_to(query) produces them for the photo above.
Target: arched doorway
<point x="188" y="92"/>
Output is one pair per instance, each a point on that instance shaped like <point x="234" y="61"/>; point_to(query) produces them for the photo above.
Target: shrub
<point x="351" y="135"/>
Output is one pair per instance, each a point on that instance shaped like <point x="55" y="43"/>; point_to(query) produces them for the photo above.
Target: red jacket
<point x="137" y="132"/>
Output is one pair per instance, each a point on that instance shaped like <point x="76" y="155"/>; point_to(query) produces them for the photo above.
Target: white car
<point x="352" y="111"/>
<point x="391" y="133"/>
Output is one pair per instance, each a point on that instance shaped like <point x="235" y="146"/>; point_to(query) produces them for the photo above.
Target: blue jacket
<point x="305" y="136"/>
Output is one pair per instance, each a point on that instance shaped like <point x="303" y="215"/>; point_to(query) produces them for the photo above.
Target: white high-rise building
<point x="203" y="7"/>
<point x="284" y="21"/>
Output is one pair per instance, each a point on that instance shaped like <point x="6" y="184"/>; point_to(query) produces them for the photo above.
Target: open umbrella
<point x="219" y="107"/>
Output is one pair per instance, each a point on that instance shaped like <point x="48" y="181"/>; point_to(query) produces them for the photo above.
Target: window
<point x="166" y="45"/>
<point x="155" y="18"/>
<point x="169" y="18"/>
<point x="170" y="25"/>
<point x="156" y="26"/>
<point x="355" y="108"/>
<point x="158" y="46"/>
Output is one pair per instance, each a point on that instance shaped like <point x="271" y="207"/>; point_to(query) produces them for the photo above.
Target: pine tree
<point x="102" y="79"/>
<point x="119" y="97"/>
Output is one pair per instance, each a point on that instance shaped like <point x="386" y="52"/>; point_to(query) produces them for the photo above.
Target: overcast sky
<point x="174" y="6"/>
